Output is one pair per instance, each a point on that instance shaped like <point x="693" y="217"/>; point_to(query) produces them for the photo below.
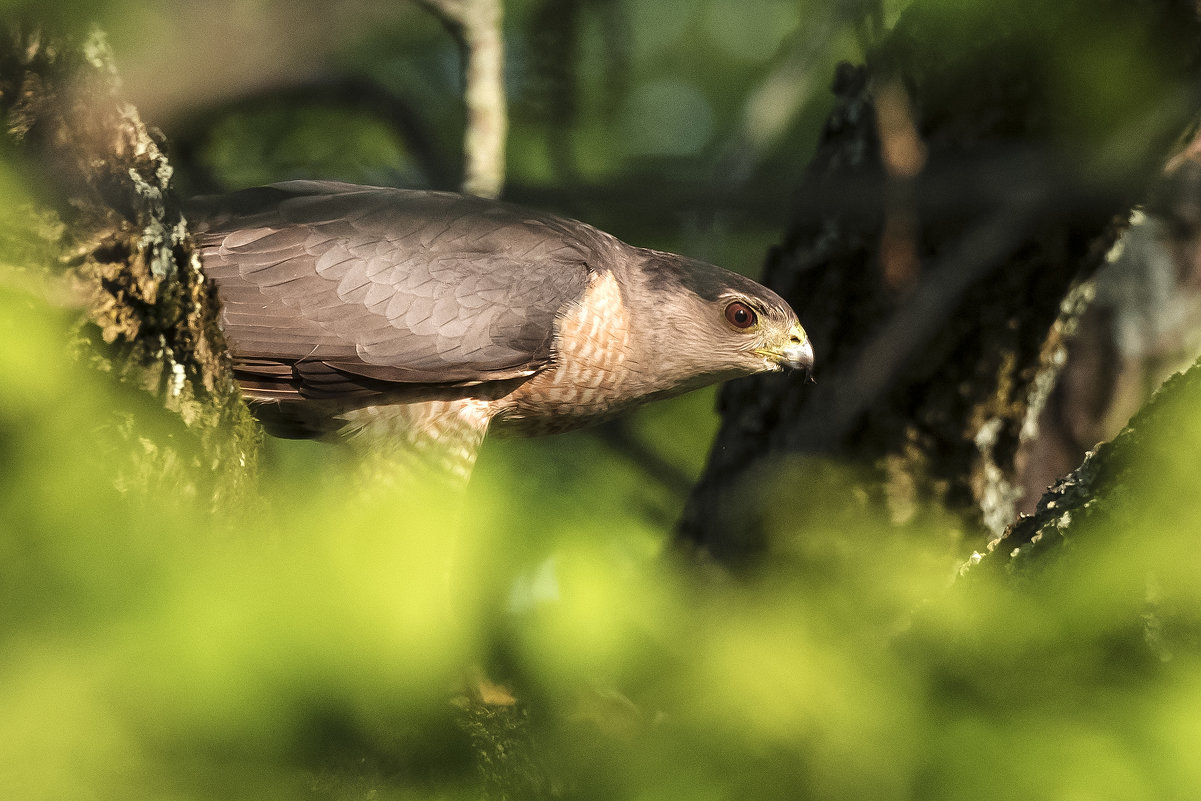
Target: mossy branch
<point x="126" y="249"/>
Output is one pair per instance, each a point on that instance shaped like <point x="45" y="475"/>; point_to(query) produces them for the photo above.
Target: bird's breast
<point x="592" y="363"/>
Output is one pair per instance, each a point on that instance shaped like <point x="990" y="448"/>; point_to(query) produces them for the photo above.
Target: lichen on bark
<point x="149" y="315"/>
<point x="1121" y="482"/>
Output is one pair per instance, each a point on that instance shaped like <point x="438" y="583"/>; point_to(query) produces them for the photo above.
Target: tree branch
<point x="476" y="24"/>
<point x="127" y="249"/>
<point x="1112" y="484"/>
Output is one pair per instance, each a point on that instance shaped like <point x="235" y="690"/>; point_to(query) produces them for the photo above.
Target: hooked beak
<point x="798" y="353"/>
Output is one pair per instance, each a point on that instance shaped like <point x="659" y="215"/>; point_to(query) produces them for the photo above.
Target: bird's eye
<point x="740" y="315"/>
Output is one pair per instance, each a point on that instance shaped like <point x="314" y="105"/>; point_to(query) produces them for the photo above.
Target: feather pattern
<point x="320" y="279"/>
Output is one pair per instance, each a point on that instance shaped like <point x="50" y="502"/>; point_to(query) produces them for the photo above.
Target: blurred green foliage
<point x="311" y="645"/>
<point x="269" y="146"/>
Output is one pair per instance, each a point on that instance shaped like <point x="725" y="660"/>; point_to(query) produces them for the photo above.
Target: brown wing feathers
<point x="342" y="292"/>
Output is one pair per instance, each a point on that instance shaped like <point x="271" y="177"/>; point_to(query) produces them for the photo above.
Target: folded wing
<point x="341" y="292"/>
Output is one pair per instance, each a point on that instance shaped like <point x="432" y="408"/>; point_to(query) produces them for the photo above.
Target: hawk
<point x="431" y="317"/>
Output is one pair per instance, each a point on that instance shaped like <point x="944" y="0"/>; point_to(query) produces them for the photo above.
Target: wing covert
<point x="389" y="285"/>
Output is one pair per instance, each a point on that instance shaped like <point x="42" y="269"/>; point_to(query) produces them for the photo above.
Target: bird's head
<point x="708" y="324"/>
<point x="764" y="331"/>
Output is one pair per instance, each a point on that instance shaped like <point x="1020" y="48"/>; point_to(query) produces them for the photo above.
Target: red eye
<point x="740" y="315"/>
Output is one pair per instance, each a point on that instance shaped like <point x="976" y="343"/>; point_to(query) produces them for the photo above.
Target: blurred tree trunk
<point x="975" y="170"/>
<point x="126" y="256"/>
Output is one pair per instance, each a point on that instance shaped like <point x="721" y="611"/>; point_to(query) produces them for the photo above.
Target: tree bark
<point x="962" y="186"/>
<point x="151" y="316"/>
<point x="1133" y="477"/>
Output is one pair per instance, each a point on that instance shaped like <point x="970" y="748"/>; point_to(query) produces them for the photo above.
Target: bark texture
<point x="956" y="197"/>
<point x="1140" y="476"/>
<point x="125" y="249"/>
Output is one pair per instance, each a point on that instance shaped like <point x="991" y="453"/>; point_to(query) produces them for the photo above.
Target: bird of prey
<point x="431" y="316"/>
